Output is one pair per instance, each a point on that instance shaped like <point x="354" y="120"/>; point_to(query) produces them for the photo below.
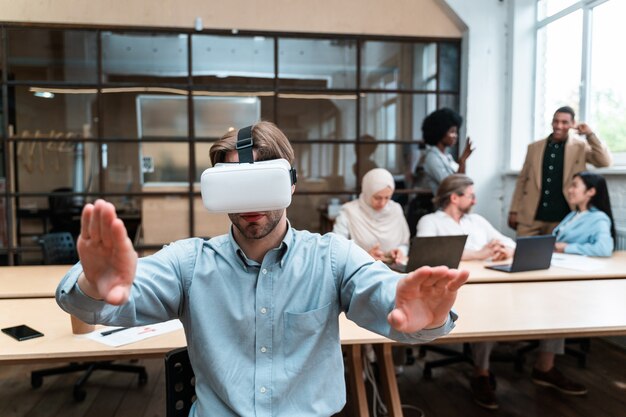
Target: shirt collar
<point x="551" y="141"/>
<point x="276" y="255"/>
<point x="446" y="215"/>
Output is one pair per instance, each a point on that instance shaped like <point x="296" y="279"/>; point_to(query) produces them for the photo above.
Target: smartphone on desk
<point x="22" y="332"/>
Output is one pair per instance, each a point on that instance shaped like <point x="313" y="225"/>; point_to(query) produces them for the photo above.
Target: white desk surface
<point x="487" y="312"/>
<point x="41" y="281"/>
<point x="58" y="342"/>
<point x="506" y="311"/>
<point x="612" y="268"/>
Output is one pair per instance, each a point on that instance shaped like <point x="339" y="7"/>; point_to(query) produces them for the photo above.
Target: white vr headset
<point x="247" y="186"/>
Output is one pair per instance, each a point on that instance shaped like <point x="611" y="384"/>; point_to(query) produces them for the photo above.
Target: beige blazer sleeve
<point x="523" y="176"/>
<point x="597" y="153"/>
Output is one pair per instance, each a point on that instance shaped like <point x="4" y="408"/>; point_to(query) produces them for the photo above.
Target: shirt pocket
<point x="308" y="338"/>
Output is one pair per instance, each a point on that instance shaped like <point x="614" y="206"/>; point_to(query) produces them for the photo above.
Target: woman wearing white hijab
<point x="373" y="221"/>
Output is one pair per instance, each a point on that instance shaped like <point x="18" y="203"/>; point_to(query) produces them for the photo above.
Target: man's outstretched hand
<point x="106" y="254"/>
<point x="424" y="298"/>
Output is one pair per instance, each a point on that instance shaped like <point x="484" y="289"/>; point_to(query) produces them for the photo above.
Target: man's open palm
<point x="424" y="298"/>
<point x="106" y="253"/>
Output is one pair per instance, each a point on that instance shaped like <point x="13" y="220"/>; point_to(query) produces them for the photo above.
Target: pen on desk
<point x="108" y="332"/>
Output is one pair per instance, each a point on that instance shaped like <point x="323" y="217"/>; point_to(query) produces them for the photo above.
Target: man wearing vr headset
<point x="259" y="305"/>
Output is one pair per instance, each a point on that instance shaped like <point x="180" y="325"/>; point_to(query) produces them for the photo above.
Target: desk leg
<point x="388" y="382"/>
<point x="356" y="385"/>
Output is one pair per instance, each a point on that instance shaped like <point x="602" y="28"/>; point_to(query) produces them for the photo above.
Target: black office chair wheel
<point x="493" y="381"/>
<point x="79" y="395"/>
<point x="422" y="352"/>
<point x="143" y="378"/>
<point x="36" y="381"/>
<point x="410" y="358"/>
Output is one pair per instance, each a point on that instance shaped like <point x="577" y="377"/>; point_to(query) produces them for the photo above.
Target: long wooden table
<point x="556" y="302"/>
<point x="30" y="281"/>
<point x="42" y="280"/>
<point x="611" y="268"/>
<point x="504" y="311"/>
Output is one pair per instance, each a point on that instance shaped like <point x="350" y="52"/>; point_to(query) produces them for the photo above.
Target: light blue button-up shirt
<point x="263" y="339"/>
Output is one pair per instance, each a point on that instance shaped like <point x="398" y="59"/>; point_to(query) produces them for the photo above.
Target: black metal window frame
<point x="12" y="198"/>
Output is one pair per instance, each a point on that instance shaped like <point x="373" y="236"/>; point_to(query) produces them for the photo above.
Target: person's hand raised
<point x="583" y="129"/>
<point x="424" y="298"/>
<point x="106" y="253"/>
<point x="467" y="151"/>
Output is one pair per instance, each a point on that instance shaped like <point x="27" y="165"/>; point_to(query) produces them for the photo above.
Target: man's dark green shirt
<point x="553" y="206"/>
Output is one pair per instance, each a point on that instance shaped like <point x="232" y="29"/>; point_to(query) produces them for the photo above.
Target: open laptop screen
<point x="531" y="253"/>
<point x="435" y="251"/>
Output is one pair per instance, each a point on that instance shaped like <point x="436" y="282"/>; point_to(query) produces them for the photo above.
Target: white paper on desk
<point x="134" y="334"/>
<point x="577" y="262"/>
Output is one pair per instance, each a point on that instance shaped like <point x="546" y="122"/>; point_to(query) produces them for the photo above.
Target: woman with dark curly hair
<point x="440" y="130"/>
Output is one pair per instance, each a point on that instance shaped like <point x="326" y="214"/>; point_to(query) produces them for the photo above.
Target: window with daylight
<point x="578" y="64"/>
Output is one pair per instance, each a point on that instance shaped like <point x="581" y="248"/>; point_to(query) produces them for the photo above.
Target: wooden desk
<point x="504" y="311"/>
<point x="613" y="268"/>
<point x="30" y="281"/>
<point x="59" y="344"/>
<point x="538" y="310"/>
<point x="42" y="280"/>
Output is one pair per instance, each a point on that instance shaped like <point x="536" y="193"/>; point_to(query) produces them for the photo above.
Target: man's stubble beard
<point x="255" y="231"/>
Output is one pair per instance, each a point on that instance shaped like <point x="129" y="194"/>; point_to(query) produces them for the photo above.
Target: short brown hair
<point x="452" y="184"/>
<point x="269" y="142"/>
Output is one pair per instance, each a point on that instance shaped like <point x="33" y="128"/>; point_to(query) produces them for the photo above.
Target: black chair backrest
<point x="64" y="213"/>
<point x="180" y="384"/>
<point x="58" y="248"/>
<point x="420" y="206"/>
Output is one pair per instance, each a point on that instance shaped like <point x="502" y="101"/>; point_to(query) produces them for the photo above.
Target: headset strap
<point x="244" y="150"/>
<point x="294" y="176"/>
<point x="244" y="145"/>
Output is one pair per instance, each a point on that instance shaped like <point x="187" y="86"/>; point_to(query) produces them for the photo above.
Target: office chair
<point x="64" y="212"/>
<point x="417" y="208"/>
<point x="59" y="248"/>
<point x="464" y="356"/>
<point x="180" y="389"/>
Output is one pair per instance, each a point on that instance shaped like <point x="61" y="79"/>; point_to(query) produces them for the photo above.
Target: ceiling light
<point x="44" y="94"/>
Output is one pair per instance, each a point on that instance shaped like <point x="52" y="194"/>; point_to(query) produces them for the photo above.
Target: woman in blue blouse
<point x="589" y="230"/>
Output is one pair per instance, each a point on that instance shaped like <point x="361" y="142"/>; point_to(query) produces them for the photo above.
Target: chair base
<point x="79" y="394"/>
<point x="453" y="357"/>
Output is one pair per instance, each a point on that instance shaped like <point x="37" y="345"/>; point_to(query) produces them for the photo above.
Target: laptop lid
<point x="533" y="253"/>
<point x="435" y="251"/>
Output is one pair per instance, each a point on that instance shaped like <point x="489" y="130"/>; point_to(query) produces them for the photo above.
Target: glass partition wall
<point x="130" y="116"/>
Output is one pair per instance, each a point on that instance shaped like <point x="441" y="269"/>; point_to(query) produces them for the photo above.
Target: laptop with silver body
<point x="532" y="253"/>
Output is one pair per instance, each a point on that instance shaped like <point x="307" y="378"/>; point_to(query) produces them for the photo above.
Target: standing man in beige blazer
<point x="539" y="205"/>
<point x="539" y="202"/>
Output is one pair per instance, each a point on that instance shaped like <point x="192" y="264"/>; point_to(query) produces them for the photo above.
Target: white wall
<point x="485" y="92"/>
<point x="498" y="89"/>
